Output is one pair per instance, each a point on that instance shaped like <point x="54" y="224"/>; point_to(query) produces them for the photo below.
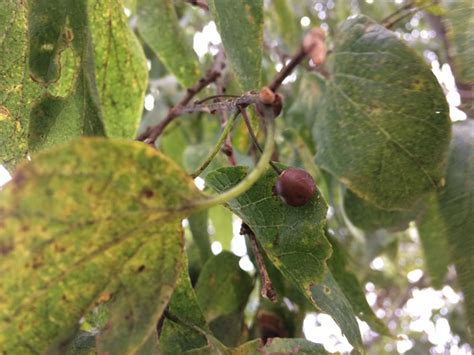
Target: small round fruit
<point x="266" y="95"/>
<point x="295" y="186"/>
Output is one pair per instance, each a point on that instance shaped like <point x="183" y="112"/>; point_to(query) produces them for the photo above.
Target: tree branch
<point x="401" y="9"/>
<point x="227" y="143"/>
<point x="466" y="90"/>
<point x="288" y="68"/>
<point x="152" y="133"/>
<point x="267" y="290"/>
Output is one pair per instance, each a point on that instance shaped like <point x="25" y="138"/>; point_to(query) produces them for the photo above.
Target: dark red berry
<point x="277" y="105"/>
<point x="295" y="186"/>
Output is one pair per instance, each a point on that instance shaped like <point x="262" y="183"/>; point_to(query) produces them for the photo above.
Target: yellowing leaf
<point x="120" y="68"/>
<point x="13" y="83"/>
<point x="94" y="221"/>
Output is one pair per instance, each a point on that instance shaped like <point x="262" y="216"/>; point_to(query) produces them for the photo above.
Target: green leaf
<point x="159" y="27"/>
<point x="176" y="338"/>
<point x="285" y="346"/>
<point x="198" y="226"/>
<point x="48" y="38"/>
<point x="457" y="208"/>
<point x="14" y="83"/>
<point x="383" y="126"/>
<point x="195" y="154"/>
<point x="240" y="24"/>
<point x="459" y="21"/>
<point x="369" y="217"/>
<point x="288" y="25"/>
<point x="300" y="115"/>
<point x="434" y="241"/>
<point x="174" y="143"/>
<point x="91" y="222"/>
<point x="150" y="346"/>
<point x="330" y="298"/>
<point x="273" y="346"/>
<point x="221" y="219"/>
<point x="82" y="344"/>
<point x="120" y="68"/>
<point x="294" y="240"/>
<point x="56" y="120"/>
<point x="222" y="291"/>
<point x="352" y="289"/>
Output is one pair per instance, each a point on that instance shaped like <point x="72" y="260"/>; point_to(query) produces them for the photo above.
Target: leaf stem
<point x="217" y="147"/>
<point x="408" y="6"/>
<point x="411" y="11"/>
<point x="254" y="138"/>
<point x="254" y="175"/>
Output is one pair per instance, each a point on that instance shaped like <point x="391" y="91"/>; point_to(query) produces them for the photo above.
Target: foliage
<point x="108" y="246"/>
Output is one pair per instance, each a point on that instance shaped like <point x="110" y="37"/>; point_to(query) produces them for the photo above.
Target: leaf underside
<point x="382" y="127"/>
<point x="457" y="207"/>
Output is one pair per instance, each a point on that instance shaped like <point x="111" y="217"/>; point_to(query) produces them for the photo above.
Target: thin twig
<point x="152" y="133"/>
<point x="411" y="11"/>
<point x="287" y="69"/>
<point x="199" y="102"/>
<point x="267" y="290"/>
<point x="226" y="105"/>
<point x="217" y="147"/>
<point x="403" y="8"/>
<point x="227" y="144"/>
<point x="254" y="138"/>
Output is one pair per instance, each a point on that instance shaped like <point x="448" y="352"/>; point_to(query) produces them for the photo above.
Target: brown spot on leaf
<point x="104" y="297"/>
<point x="148" y="193"/>
<point x="19" y="179"/>
<point x="4" y="113"/>
<point x="141" y="268"/>
<point x="5" y="248"/>
<point x="36" y="263"/>
<point x="59" y="248"/>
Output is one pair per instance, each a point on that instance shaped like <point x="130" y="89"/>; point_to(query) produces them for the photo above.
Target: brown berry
<point x="266" y="95"/>
<point x="277" y="105"/>
<point x="295" y="186"/>
<point x="314" y="44"/>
